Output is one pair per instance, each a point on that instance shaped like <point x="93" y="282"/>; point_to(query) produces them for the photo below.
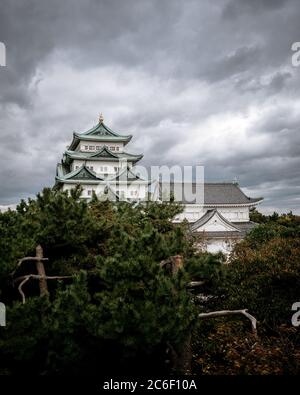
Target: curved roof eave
<point x="93" y="137"/>
<point x="95" y="155"/>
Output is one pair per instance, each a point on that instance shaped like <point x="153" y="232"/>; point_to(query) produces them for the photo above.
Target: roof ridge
<point x="98" y="126"/>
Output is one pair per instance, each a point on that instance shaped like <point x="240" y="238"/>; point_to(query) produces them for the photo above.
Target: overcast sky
<point x="195" y="82"/>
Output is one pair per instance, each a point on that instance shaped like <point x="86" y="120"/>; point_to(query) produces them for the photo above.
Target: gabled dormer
<point x="213" y="221"/>
<point x="81" y="174"/>
<point x="104" y="152"/>
<point x="127" y="175"/>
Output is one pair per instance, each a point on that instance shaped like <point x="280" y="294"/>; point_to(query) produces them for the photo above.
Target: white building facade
<point x="98" y="161"/>
<point x="221" y="219"/>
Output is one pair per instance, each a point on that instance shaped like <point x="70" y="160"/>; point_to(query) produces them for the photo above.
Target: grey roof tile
<point x="215" y="193"/>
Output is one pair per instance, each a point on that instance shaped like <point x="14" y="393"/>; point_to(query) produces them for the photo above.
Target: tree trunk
<point x="181" y="355"/>
<point x="41" y="271"/>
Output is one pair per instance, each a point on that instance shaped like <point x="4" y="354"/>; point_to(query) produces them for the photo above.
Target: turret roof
<point x="103" y="153"/>
<point x="85" y="174"/>
<point x="128" y="175"/>
<point x="81" y="174"/>
<point x="100" y="132"/>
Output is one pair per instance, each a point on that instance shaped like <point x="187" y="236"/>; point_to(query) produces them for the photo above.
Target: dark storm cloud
<point x="195" y="82"/>
<point x="235" y="63"/>
<point x="235" y="8"/>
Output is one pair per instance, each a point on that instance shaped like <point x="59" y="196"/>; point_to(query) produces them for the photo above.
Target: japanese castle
<point x="98" y="161"/>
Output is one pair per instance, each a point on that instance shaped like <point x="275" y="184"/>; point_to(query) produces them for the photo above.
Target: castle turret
<point x="97" y="160"/>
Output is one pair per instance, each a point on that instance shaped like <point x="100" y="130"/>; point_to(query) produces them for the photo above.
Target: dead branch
<point x="173" y="263"/>
<point x="40" y="276"/>
<point x="194" y="284"/>
<point x="221" y="313"/>
<point x="20" y="288"/>
<point x="28" y="258"/>
<point x="41" y="271"/>
<point x="24" y="280"/>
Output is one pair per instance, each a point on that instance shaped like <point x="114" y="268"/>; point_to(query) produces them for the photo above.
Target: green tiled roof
<point x="104" y="153"/>
<point x="81" y="174"/>
<point x="86" y="175"/>
<point x="127" y="175"/>
<point x="100" y="132"/>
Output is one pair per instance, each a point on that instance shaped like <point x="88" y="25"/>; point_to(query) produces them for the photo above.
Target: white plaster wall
<point x="98" y="164"/>
<point x="235" y="214"/>
<point x="133" y="191"/>
<point x="219" y="245"/>
<point x="83" y="144"/>
<point x="67" y="187"/>
<point x="193" y="212"/>
<point x="139" y="190"/>
<point x="86" y="187"/>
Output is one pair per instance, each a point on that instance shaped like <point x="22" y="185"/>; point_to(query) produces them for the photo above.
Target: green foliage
<point x="262" y="275"/>
<point x="119" y="304"/>
<point x="207" y="267"/>
<point x="119" y="310"/>
<point x="264" y="272"/>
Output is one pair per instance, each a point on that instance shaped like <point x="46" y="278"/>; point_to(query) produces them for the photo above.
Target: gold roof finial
<point x="101" y="119"/>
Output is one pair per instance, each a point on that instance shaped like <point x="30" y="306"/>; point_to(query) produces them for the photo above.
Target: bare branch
<point x="221" y="313"/>
<point x="28" y="258"/>
<point x="20" y="288"/>
<point x="38" y="277"/>
<point x="24" y="280"/>
<point x="194" y="284"/>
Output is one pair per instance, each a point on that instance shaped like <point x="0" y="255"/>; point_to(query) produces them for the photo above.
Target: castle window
<point x="117" y="148"/>
<point x="90" y="191"/>
<point x="112" y="148"/>
<point x="98" y="147"/>
<point x="92" y="148"/>
<point x="86" y="147"/>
